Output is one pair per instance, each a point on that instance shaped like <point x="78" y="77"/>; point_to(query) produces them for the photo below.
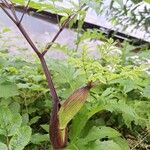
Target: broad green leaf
<point x="122" y="143"/>
<point x="14" y="107"/>
<point x="8" y="89"/>
<point x="78" y="124"/>
<point x="81" y="119"/>
<point x="148" y="1"/>
<point x="93" y="145"/>
<point x="129" y="85"/>
<point x="15" y="124"/>
<point x="21" y="139"/>
<point x="100" y="145"/>
<point x="146" y="91"/>
<point x="109" y="145"/>
<point x="9" y="122"/>
<point x="25" y="119"/>
<point x="39" y="138"/>
<point x="100" y="132"/>
<point x="3" y="146"/>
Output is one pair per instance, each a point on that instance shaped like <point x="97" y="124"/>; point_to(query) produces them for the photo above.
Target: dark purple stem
<point x="45" y="70"/>
<point x="55" y="133"/>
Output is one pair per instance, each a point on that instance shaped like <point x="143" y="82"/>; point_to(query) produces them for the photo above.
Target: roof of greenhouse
<point x="105" y="18"/>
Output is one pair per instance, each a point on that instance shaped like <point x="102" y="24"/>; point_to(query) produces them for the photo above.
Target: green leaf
<point x="9" y="122"/>
<point x="21" y="139"/>
<point x="8" y="89"/>
<point x="6" y="30"/>
<point x="146" y="91"/>
<point x="109" y="145"/>
<point x="81" y="119"/>
<point x="107" y="92"/>
<point x="78" y="124"/>
<point x="45" y="127"/>
<point x="39" y="138"/>
<point x="127" y="111"/>
<point x="100" y="145"/>
<point x="25" y="119"/>
<point x="3" y="62"/>
<point x="23" y="85"/>
<point x="18" y="1"/>
<point x="3" y="146"/>
<point x="14" y="107"/>
<point x="148" y="1"/>
<point x="127" y="84"/>
<point x="72" y="106"/>
<point x="122" y="143"/>
<point x="97" y="133"/>
<point x="15" y="124"/>
<point x="34" y="120"/>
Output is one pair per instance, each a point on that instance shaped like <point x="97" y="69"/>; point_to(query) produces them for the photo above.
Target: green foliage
<point x="3" y="146"/>
<point x="9" y="120"/>
<point x="122" y="91"/>
<point x="8" y="89"/>
<point x="39" y="138"/>
<point x="118" y="103"/>
<point x="91" y="141"/>
<point x="21" y="139"/>
<point x="148" y="1"/>
<point x="51" y="7"/>
<point x="17" y="135"/>
<point x="146" y="92"/>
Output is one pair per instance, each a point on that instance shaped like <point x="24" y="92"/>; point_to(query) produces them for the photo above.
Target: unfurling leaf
<point x="72" y="105"/>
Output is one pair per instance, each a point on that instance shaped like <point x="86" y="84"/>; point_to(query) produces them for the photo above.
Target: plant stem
<point x="27" y="37"/>
<point x="70" y="18"/>
<point x="7" y="142"/>
<point x="49" y="79"/>
<point x="7" y="13"/>
<point x="57" y="34"/>
<point x="55" y="135"/>
<point x="25" y="10"/>
<point x="58" y="137"/>
<point x="54" y="120"/>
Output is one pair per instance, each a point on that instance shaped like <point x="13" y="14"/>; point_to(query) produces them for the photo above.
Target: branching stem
<point x="69" y="19"/>
<point x="55" y="137"/>
<point x="25" y="10"/>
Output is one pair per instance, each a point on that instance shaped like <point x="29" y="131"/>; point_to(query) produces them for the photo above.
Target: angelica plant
<point x="58" y="136"/>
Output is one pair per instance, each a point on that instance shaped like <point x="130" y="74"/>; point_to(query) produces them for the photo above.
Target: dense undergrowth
<point x="115" y="114"/>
